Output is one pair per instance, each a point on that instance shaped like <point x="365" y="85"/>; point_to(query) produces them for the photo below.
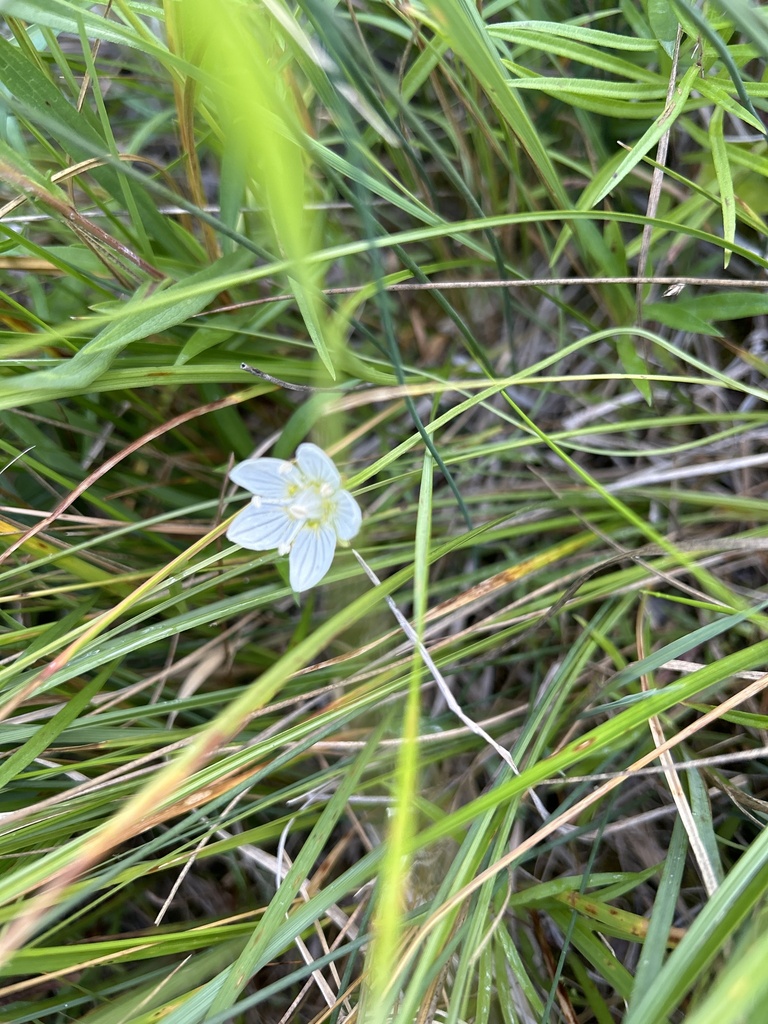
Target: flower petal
<point x="348" y="516"/>
<point x="311" y="556"/>
<point x="269" y="478"/>
<point x="261" y="529"/>
<point x="317" y="466"/>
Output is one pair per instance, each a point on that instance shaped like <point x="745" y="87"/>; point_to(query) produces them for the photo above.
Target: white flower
<point x="298" y="507"/>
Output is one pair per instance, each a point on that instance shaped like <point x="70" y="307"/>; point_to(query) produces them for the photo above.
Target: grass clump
<point x="505" y="264"/>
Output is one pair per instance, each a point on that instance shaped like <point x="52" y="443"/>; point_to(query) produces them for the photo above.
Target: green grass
<point x="513" y="256"/>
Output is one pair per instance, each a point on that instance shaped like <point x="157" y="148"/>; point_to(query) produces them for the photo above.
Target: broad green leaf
<point x="715" y="306"/>
<point x="681" y="318"/>
<point x="663" y="22"/>
<point x="141" y="317"/>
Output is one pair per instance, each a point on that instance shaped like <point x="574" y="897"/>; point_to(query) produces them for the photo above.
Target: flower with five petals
<point x="298" y="507"/>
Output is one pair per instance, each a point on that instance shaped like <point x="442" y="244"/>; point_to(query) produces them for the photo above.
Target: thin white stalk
<point x="445" y="690"/>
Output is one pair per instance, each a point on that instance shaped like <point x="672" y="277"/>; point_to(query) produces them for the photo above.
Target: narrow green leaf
<point x="717" y="91"/>
<point x="603" y="185"/>
<point x="391" y="893"/>
<point x="701" y="807"/>
<point x="311" y="305"/>
<point x="740" y="990"/>
<point x="50" y="731"/>
<point x="724" y="180"/>
<point x="708" y="936"/>
<point x="462" y="28"/>
<point x="664" y="909"/>
<point x="744" y="15"/>
<point x="521" y="30"/>
<point x="68" y="16"/>
<point x="633" y="361"/>
<point x="749" y="18"/>
<point x="34" y="96"/>
<point x="253" y="956"/>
